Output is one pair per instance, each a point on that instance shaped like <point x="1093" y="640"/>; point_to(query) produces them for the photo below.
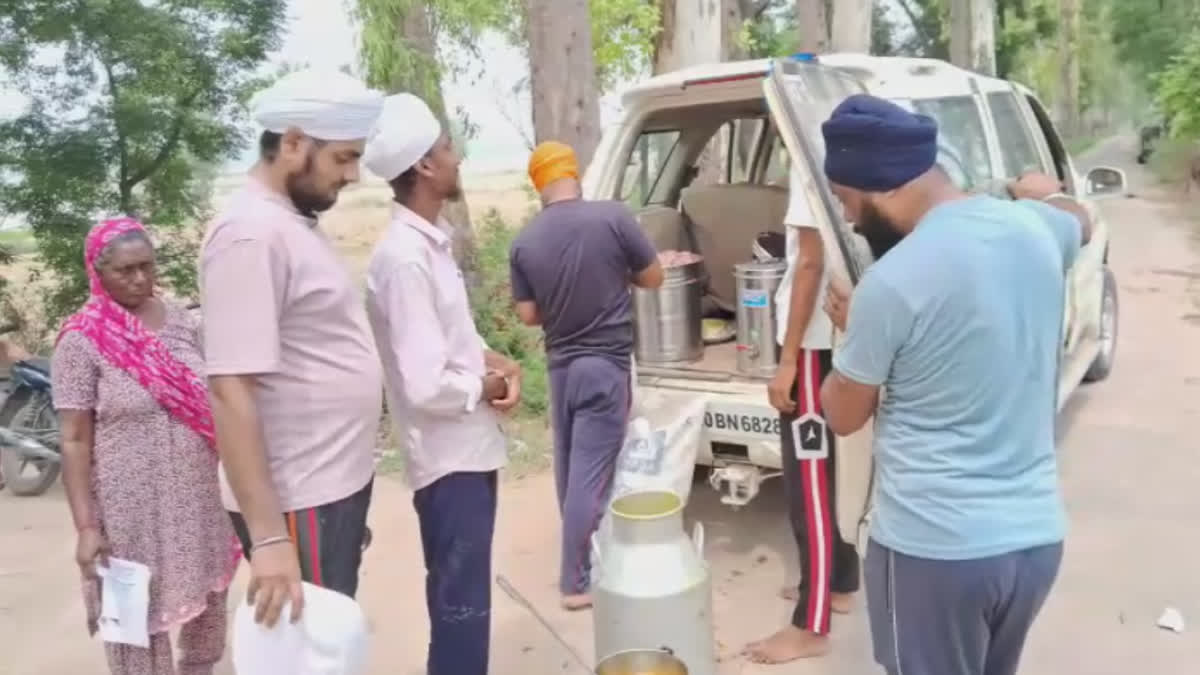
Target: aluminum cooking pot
<point x="641" y="662"/>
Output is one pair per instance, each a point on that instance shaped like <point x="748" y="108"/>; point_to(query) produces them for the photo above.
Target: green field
<point x="18" y="242"/>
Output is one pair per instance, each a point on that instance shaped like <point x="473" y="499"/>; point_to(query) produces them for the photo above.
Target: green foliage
<point x="496" y="320"/>
<point x="623" y="34"/>
<point x="1147" y="33"/>
<point x="126" y="100"/>
<point x="1179" y="90"/>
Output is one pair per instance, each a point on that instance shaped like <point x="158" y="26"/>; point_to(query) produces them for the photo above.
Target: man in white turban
<point x="293" y="372"/>
<point x="446" y="390"/>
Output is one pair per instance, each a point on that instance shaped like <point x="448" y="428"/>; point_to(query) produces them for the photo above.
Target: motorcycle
<point x="30" y="454"/>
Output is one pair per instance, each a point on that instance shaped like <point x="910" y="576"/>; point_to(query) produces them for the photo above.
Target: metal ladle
<point x="520" y="600"/>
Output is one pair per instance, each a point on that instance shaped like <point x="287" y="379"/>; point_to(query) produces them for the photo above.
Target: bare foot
<point x="574" y="603"/>
<point x="789" y="644"/>
<point x="839" y="603"/>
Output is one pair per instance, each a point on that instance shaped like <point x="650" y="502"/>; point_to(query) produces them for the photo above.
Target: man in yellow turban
<point x="571" y="269"/>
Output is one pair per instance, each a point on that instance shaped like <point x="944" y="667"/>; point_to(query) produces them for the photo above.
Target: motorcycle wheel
<point x="28" y="477"/>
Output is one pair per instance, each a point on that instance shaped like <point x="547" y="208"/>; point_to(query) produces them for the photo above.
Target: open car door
<point x="801" y="93"/>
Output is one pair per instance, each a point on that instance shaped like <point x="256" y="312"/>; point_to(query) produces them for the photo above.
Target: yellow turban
<point x="552" y="161"/>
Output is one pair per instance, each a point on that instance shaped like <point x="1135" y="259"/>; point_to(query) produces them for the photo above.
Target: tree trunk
<point x="812" y="21"/>
<point x="562" y="73"/>
<point x="693" y="33"/>
<point x="422" y="77"/>
<point x="973" y="35"/>
<point x="1069" y="20"/>
<point x="851" y="30"/>
<point x="696" y="32"/>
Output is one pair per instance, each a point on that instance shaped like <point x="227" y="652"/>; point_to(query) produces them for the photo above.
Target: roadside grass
<point x="1172" y="158"/>
<point x="18" y="242"/>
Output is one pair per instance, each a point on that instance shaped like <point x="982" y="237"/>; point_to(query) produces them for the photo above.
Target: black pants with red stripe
<point x="328" y="539"/>
<point x="827" y="562"/>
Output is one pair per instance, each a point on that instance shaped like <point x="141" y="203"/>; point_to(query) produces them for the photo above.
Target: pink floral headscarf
<point x="123" y="340"/>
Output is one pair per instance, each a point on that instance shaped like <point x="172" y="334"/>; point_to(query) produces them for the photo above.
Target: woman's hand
<point x="90" y="549"/>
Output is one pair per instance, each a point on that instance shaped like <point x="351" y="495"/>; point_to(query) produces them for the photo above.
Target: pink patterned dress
<point x="154" y="479"/>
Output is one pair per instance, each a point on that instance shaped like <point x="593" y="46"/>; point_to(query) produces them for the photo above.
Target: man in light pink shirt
<point x="293" y="371"/>
<point x="445" y="389"/>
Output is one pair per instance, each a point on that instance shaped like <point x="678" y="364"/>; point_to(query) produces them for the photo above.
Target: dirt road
<point x="1129" y="468"/>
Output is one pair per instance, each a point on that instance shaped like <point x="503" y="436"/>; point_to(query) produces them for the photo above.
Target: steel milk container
<point x="756" y="283"/>
<point x="667" y="320"/>
<point x="652" y="588"/>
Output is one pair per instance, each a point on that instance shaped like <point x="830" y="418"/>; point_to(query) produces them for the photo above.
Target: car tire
<point x="1109" y="312"/>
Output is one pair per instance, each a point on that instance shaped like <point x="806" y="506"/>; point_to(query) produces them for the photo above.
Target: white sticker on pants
<point x="809" y="438"/>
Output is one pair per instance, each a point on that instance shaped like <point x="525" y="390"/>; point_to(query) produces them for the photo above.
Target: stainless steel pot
<point x="666" y="320"/>
<point x="756" y="282"/>
<point x="642" y="662"/>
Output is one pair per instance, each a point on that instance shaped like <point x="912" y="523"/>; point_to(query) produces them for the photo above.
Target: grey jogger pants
<point x="955" y="617"/>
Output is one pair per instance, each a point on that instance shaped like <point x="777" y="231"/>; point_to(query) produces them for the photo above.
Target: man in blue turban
<point x="959" y="321"/>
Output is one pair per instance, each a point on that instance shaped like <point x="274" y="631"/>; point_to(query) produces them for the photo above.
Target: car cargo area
<point x="709" y="180"/>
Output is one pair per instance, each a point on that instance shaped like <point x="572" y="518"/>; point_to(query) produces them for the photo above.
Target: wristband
<point x="1058" y="195"/>
<point x="270" y="541"/>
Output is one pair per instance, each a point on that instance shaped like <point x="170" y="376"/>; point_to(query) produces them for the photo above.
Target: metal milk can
<point x="651" y="588"/>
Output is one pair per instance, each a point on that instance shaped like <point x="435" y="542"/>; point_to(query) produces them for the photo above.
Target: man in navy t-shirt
<point x="571" y="270"/>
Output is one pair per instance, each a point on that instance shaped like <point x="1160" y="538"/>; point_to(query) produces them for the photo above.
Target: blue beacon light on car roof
<point x="804" y="56"/>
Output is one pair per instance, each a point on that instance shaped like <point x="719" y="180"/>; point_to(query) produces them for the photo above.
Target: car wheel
<point x="1109" y="310"/>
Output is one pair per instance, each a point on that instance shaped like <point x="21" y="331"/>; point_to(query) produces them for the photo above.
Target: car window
<point x="778" y="164"/>
<point x="1016" y="145"/>
<point x="1057" y="150"/>
<point x="645" y="167"/>
<point x="962" y="143"/>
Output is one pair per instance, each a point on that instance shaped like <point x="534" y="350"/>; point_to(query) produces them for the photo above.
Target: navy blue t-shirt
<point x="575" y="261"/>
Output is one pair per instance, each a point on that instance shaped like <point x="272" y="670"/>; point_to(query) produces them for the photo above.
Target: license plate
<point x="743" y="421"/>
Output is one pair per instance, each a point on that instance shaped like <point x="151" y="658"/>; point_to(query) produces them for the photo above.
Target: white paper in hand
<point x="329" y="639"/>
<point x="124" y="602"/>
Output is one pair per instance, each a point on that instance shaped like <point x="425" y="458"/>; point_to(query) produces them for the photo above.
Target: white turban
<point x="406" y="132"/>
<point x="325" y="104"/>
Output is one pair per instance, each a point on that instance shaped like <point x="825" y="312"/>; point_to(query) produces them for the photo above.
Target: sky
<point x="320" y="33"/>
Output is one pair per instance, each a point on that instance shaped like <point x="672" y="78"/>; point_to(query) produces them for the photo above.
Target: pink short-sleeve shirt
<point x="279" y="303"/>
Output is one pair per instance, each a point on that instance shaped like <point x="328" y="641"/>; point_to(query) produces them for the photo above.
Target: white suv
<point x="767" y="115"/>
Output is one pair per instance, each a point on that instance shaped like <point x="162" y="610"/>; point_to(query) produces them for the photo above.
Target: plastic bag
<point x="331" y="638"/>
<point x="657" y="458"/>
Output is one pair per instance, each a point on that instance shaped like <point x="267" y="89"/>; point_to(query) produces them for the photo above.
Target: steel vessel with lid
<point x="651" y="587"/>
<point x="756" y="283"/>
<point x="666" y="320"/>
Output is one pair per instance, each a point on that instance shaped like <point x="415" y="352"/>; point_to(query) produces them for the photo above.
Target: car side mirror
<point x="1104" y="181"/>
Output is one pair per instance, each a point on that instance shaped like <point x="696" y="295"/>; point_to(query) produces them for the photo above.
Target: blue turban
<point x="875" y="145"/>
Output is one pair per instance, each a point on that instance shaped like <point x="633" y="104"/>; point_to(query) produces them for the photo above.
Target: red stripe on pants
<point x="814" y="484"/>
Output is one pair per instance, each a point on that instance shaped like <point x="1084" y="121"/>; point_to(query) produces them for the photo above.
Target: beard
<point x="881" y="234"/>
<point x="305" y="196"/>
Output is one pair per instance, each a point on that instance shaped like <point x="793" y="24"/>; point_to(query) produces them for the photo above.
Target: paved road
<point x="1129" y="459"/>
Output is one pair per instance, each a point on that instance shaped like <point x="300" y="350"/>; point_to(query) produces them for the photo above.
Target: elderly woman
<point x="139" y="462"/>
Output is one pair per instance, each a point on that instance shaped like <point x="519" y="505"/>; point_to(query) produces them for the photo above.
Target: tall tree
<point x="812" y="24"/>
<point x="973" y="35"/>
<point x="851" y="26"/>
<point x="1069" y="48"/>
<point x="562" y="75"/>
<point x="399" y="51"/>
<point x="131" y="106"/>
<point x="692" y="33"/>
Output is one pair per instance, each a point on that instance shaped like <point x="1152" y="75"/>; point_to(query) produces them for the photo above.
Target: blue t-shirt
<point x="960" y="323"/>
